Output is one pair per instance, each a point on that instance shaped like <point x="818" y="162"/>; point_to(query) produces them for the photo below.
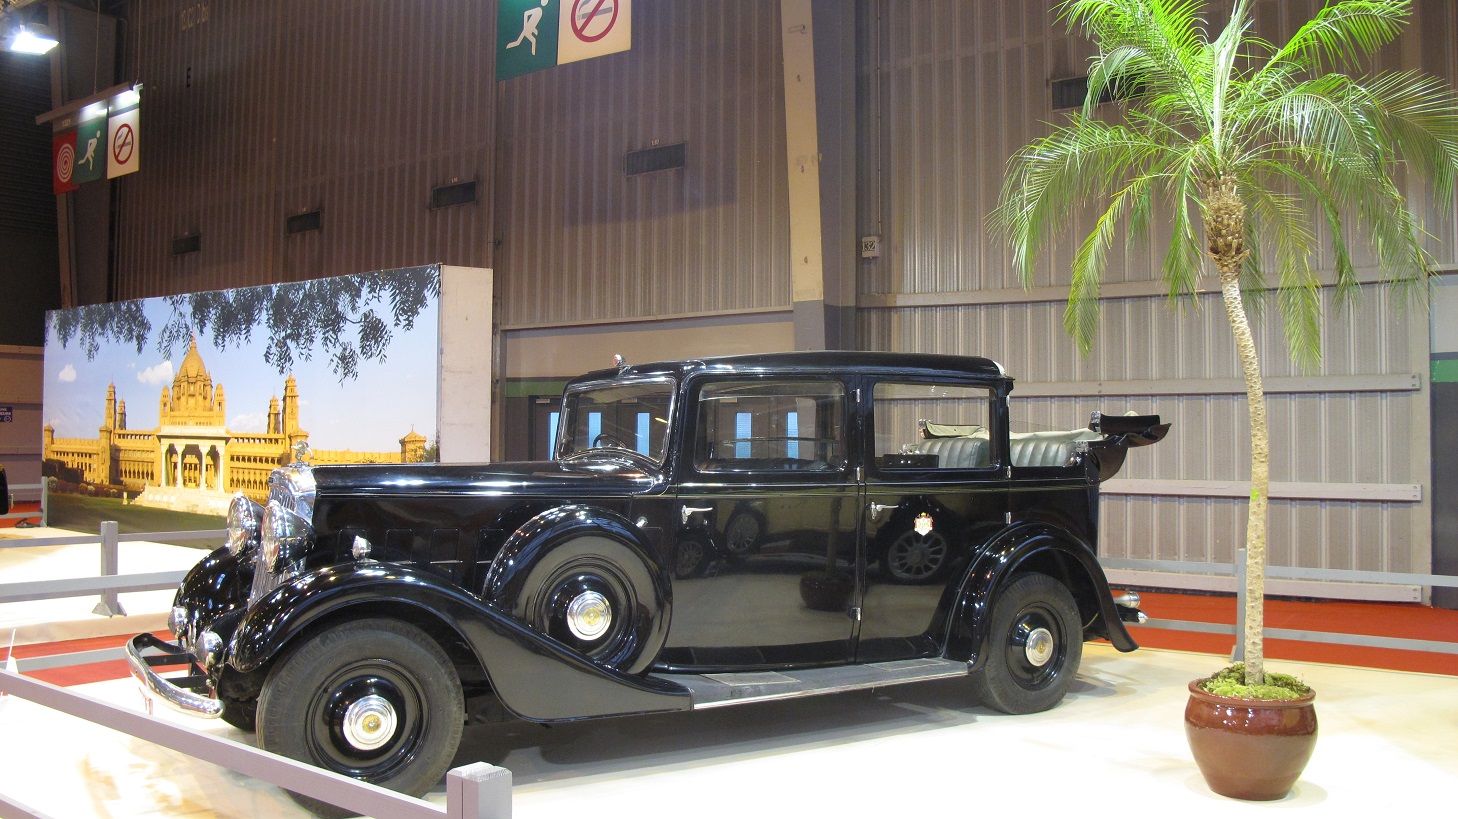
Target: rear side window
<point x="932" y="426"/>
<point x="770" y="426"/>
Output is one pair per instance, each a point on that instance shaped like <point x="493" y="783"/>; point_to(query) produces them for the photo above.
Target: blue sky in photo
<point x="369" y="413"/>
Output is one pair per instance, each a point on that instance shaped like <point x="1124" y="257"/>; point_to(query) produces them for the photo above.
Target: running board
<point x="715" y="690"/>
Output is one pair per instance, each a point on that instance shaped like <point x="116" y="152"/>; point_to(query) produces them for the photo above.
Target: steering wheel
<point x="603" y="439"/>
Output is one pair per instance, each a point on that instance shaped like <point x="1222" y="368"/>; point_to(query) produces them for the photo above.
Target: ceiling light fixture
<point x="30" y="38"/>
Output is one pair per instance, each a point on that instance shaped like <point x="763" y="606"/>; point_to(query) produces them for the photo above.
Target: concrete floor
<point x="1388" y="746"/>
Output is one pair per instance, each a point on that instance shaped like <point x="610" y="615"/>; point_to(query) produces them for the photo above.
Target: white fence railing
<point x="1237" y="569"/>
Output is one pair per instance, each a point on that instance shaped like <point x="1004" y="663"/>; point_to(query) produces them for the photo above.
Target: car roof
<point x="817" y="360"/>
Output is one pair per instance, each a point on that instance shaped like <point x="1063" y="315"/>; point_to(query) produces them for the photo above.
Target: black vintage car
<point x="712" y="532"/>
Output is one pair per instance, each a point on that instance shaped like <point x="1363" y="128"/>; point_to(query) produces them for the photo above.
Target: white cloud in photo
<point x="67" y="374"/>
<point x="247" y="422"/>
<point x="156" y="374"/>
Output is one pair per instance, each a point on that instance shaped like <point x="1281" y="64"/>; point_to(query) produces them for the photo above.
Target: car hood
<point x="585" y="478"/>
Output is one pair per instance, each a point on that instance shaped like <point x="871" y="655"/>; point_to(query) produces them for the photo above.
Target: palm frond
<point x="1050" y="177"/>
<point x="1160" y="43"/>
<point x="1418" y="117"/>
<point x="1081" y="317"/>
<point x="1344" y="32"/>
<point x="1184" y="257"/>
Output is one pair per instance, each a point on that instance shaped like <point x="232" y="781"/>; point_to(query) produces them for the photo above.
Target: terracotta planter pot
<point x="1250" y="749"/>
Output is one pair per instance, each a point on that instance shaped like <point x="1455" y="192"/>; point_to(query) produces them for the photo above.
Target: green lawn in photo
<point x="82" y="514"/>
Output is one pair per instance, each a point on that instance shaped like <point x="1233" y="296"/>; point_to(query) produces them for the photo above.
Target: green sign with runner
<point x="526" y="36"/>
<point x="536" y="34"/>
<point x="90" y="151"/>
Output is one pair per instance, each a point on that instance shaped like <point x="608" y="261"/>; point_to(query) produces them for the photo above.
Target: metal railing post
<point x="45" y="501"/>
<point x="1237" y="654"/>
<point x="478" y="791"/>
<point x="109" y="606"/>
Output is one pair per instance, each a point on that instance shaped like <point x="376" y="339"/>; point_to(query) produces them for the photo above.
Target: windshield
<point x="621" y="415"/>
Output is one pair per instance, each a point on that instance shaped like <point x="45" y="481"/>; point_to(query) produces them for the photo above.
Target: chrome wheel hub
<point x="369" y="722"/>
<point x="1039" y="647"/>
<point x="589" y="615"/>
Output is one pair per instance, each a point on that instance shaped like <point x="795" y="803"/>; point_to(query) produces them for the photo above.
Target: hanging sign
<point x="122" y="138"/>
<point x="90" y="162"/>
<point x="536" y="34"/>
<point x="63" y="162"/>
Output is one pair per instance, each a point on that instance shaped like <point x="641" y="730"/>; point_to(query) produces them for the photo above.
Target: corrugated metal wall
<point x="581" y="241"/>
<point x="949" y="91"/>
<point x="253" y="112"/>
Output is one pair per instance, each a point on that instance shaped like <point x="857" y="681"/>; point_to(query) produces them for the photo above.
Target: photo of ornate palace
<point x="192" y="461"/>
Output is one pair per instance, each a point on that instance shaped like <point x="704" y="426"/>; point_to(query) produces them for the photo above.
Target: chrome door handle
<point x="878" y="508"/>
<point x="689" y="511"/>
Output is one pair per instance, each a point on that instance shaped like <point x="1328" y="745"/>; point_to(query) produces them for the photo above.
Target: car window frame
<point x="689" y="434"/>
<point x="996" y="431"/>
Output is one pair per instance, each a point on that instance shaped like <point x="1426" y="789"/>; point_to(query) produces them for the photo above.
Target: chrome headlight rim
<point x="245" y="519"/>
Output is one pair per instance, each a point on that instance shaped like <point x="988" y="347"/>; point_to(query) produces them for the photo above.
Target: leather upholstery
<point x="1047" y="448"/>
<point x="958" y="453"/>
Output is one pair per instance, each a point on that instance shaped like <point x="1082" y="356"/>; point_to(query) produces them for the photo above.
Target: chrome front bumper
<point x="155" y="686"/>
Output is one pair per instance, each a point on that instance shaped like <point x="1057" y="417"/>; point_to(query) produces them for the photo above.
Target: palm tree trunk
<point x="1225" y="237"/>
<point x="1260" y="459"/>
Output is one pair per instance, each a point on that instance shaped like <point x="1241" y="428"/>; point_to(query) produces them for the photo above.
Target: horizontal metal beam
<point x="1279" y="490"/>
<point x="331" y="787"/>
<point x="1287" y="572"/>
<point x="1281" y="385"/>
<point x="83" y="586"/>
<point x="1148" y="288"/>
<point x="1301" y="635"/>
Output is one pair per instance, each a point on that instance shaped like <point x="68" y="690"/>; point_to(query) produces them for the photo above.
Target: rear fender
<point x="536" y="677"/>
<point x="1031" y="547"/>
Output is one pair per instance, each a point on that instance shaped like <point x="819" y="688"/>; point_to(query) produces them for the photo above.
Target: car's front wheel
<point x="377" y="700"/>
<point x="1033" y="648"/>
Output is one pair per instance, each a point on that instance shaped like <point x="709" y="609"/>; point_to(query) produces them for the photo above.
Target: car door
<point x="936" y="491"/>
<point x="767" y="492"/>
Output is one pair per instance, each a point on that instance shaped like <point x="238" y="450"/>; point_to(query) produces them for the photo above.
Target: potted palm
<point x="1242" y="146"/>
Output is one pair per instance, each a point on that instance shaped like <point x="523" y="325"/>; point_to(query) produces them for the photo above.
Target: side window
<point x="770" y="426"/>
<point x="932" y="426"/>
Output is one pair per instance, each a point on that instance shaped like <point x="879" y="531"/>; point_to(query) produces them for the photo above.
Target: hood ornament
<point x="301" y="454"/>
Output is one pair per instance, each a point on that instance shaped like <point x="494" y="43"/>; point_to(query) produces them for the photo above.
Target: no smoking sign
<point x="123" y="143"/>
<point x="593" y="28"/>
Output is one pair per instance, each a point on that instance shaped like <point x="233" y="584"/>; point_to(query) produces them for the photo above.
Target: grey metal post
<point x="478" y="791"/>
<point x="109" y="606"/>
<point x="1238" y="653"/>
<point x="45" y="501"/>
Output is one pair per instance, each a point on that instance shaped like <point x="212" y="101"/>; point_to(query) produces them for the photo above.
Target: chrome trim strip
<point x="154" y="685"/>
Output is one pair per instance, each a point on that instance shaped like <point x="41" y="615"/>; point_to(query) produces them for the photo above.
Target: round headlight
<point x="285" y="535"/>
<point x="244" y="518"/>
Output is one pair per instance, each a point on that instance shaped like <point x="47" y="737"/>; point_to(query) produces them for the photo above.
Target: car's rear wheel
<point x="1033" y="647"/>
<point x="597" y="596"/>
<point x="376" y="700"/>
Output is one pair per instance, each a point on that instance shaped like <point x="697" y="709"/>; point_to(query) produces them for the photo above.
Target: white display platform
<point x="1115" y="747"/>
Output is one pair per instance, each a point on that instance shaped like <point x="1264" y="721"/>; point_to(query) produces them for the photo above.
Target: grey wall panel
<point x="581" y="240"/>
<point x="949" y="91"/>
<point x="264" y="110"/>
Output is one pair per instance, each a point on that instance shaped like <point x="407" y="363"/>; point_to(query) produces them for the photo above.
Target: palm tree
<point x="1254" y="142"/>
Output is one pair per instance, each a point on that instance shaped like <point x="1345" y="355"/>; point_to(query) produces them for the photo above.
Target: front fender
<point x="536" y="677"/>
<point x="1006" y="554"/>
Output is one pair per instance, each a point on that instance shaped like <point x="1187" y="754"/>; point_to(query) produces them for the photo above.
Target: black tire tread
<point x="283" y="702"/>
<point x="992" y="684"/>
